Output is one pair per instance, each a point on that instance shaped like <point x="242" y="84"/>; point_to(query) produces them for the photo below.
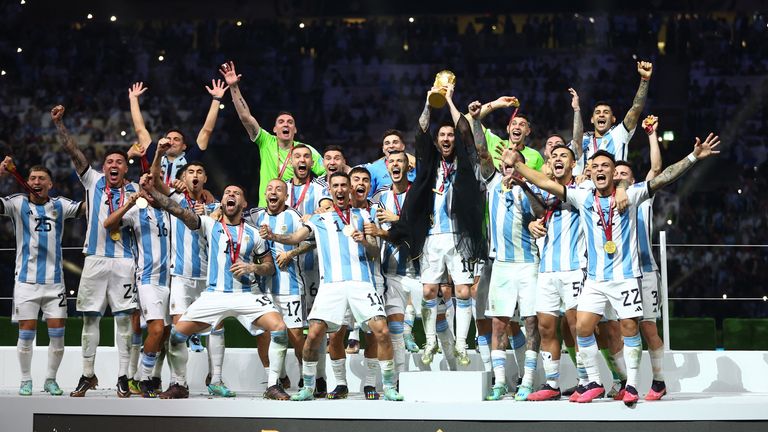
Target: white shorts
<point x="512" y="284"/>
<point x="29" y="299"/>
<point x="292" y="309"/>
<point x="107" y="281"/>
<point x="440" y="258"/>
<point x="184" y="291"/>
<point x="624" y="296"/>
<point x="556" y="290"/>
<point x="396" y="295"/>
<point x="311" y="285"/>
<point x="651" y="296"/>
<point x="334" y="298"/>
<point x="154" y="303"/>
<point x="483" y="286"/>
<point x="212" y="307"/>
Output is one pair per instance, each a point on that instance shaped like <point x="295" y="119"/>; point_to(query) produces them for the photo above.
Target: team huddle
<point x="471" y="226"/>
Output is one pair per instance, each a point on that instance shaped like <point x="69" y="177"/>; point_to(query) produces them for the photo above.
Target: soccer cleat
<point x="194" y="343"/>
<point x="175" y="391"/>
<point x="85" y="384"/>
<point x="25" y="389"/>
<point x="304" y="394"/>
<point x="569" y="391"/>
<point x="574" y="397"/>
<point x="133" y="386"/>
<point x="546" y="393"/>
<point x="497" y="392"/>
<point x="147" y="390"/>
<point x="52" y="387"/>
<point x="630" y="396"/>
<point x="461" y="355"/>
<point x="522" y="393"/>
<point x="429" y="353"/>
<point x="591" y="392"/>
<point x="157" y="384"/>
<point x="410" y="344"/>
<point x="658" y="390"/>
<point x="285" y="382"/>
<point x="353" y="347"/>
<point x="220" y="389"/>
<point x="276" y="392"/>
<point x="616" y="392"/>
<point x="321" y="388"/>
<point x="340" y="392"/>
<point x="122" y="387"/>
<point x="391" y="394"/>
<point x="371" y="393"/>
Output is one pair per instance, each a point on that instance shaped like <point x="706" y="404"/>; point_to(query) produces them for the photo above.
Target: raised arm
<point x="293" y="238"/>
<point x="424" y="117"/>
<point x="578" y="125"/>
<point x="512" y="158"/>
<point x="216" y="90"/>
<point x="650" y="124"/>
<point x="187" y="216"/>
<point x="701" y="150"/>
<point x="142" y="134"/>
<point x="78" y="158"/>
<point x="232" y="79"/>
<point x="163" y="144"/>
<point x="455" y="113"/>
<point x="501" y="102"/>
<point x="645" y="69"/>
<point x="484" y="158"/>
<point x="112" y="222"/>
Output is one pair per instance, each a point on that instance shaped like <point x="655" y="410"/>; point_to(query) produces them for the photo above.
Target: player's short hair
<point x="563" y="146"/>
<point x="302" y="146"/>
<point x="604" y="153"/>
<point x="395" y="132"/>
<point x="446" y="123"/>
<point x="556" y="135"/>
<point x="359" y="170"/>
<point x="114" y="150"/>
<point x="619" y="163"/>
<point x="43" y="169"/>
<point x="238" y="185"/>
<point x="601" y="102"/>
<point x="338" y="174"/>
<point x="333" y="147"/>
<point x="285" y="113"/>
<point x="186" y="166"/>
<point x="178" y="131"/>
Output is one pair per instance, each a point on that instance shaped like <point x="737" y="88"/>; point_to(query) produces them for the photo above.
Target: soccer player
<point x="347" y="281"/>
<point x="274" y="150"/>
<point x="39" y="283"/>
<point x="180" y="153"/>
<point x="613" y="265"/>
<point x="150" y="225"/>
<point x="393" y="140"/>
<point x="608" y="135"/>
<point x="108" y="269"/>
<point x="333" y="161"/>
<point x="650" y="279"/>
<point x="236" y="254"/>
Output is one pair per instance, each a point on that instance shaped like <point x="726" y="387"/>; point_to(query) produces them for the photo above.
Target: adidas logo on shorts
<point x="639" y="309"/>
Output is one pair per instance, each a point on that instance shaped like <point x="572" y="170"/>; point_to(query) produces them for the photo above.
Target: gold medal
<point x="142" y="202"/>
<point x="348" y="230"/>
<point x="609" y="247"/>
<point x="439" y="192"/>
<point x="115" y="235"/>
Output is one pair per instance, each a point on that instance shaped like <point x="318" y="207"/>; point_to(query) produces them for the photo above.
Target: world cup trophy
<point x="442" y="79"/>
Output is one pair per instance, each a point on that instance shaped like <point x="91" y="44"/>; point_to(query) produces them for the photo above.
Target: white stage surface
<point x="729" y="388"/>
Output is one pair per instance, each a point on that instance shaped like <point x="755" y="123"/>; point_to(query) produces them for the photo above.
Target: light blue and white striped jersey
<point x="341" y="258"/>
<point x="220" y="278"/>
<point x="510" y="214"/>
<point x="645" y="229"/>
<point x="151" y="227"/>
<point x="443" y="219"/>
<point x="97" y="238"/>
<point x="38" y="229"/>
<point x="391" y="260"/>
<point x="189" y="248"/>
<point x="318" y="191"/>
<point x="615" y="141"/>
<point x="288" y="281"/>
<point x="564" y="248"/>
<point x="625" y="263"/>
<point x="380" y="177"/>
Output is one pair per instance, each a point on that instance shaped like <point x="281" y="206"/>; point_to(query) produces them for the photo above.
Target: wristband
<point x="644" y="79"/>
<point x="692" y="158"/>
<point x="216" y="98"/>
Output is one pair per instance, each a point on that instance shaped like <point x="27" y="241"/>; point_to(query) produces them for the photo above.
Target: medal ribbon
<point x="301" y="197"/>
<point x="397" y="201"/>
<point x="234" y="252"/>
<point x="191" y="202"/>
<point x="594" y="142"/>
<point x="447" y="171"/>
<point x="607" y="225"/>
<point x="341" y="215"/>
<point x="285" y="162"/>
<point x="168" y="169"/>
<point x="11" y="168"/>
<point x="109" y="198"/>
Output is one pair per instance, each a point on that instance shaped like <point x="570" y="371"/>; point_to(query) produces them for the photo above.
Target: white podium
<point x="445" y="386"/>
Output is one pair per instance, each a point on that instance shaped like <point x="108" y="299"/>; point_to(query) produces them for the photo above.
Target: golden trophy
<point x="442" y="79"/>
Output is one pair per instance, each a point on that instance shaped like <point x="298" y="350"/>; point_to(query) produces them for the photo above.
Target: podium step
<point x="445" y="386"/>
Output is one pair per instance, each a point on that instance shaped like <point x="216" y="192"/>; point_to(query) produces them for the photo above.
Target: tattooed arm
<point x="233" y="80"/>
<point x="424" y="118"/>
<point x="293" y="238"/>
<point x="645" y="69"/>
<point x="578" y="125"/>
<point x="78" y="158"/>
<point x="701" y="150"/>
<point x="483" y="156"/>
<point x="187" y="216"/>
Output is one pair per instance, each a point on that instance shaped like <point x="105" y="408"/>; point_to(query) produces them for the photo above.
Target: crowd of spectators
<point x="347" y="80"/>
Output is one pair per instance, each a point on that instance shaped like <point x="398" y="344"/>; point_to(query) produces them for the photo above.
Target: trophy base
<point x="436" y="100"/>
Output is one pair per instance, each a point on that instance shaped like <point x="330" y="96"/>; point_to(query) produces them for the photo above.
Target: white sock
<point x="581" y="371"/>
<point x="447" y="343"/>
<point x="308" y="370"/>
<point x="463" y="320"/>
<point x="429" y="319"/>
<point x="24" y="347"/>
<point x="450" y="313"/>
<point x="55" y="351"/>
<point x="551" y="369"/>
<point x="387" y="373"/>
<point x="657" y="363"/>
<point x="133" y="365"/>
<point x="321" y="360"/>
<point x="499" y="358"/>
<point x="633" y="349"/>
<point x="588" y="352"/>
<point x="148" y="361"/>
<point x="620" y="362"/>
<point x="371" y="370"/>
<point x="410" y="317"/>
<point x="89" y="341"/>
<point x="177" y="360"/>
<point x="157" y="371"/>
<point x="277" y="350"/>
<point x="123" y="343"/>
<point x="398" y="347"/>
<point x="339" y="371"/>
<point x="483" y="345"/>
<point x="529" y="368"/>
<point x="216" y="348"/>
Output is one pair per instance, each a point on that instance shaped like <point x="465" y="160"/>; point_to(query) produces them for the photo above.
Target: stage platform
<point x="708" y="391"/>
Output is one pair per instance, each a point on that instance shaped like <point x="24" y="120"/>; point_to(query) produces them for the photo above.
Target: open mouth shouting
<point x="195" y="182"/>
<point x="558" y="167"/>
<point x="396" y="173"/>
<point x="516" y="135"/>
<point x="602" y="123"/>
<point x="273" y="199"/>
<point x="360" y="192"/>
<point x="600" y="178"/>
<point x="230" y="204"/>
<point x="113" y="175"/>
<point x="285" y="132"/>
<point x="301" y="169"/>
